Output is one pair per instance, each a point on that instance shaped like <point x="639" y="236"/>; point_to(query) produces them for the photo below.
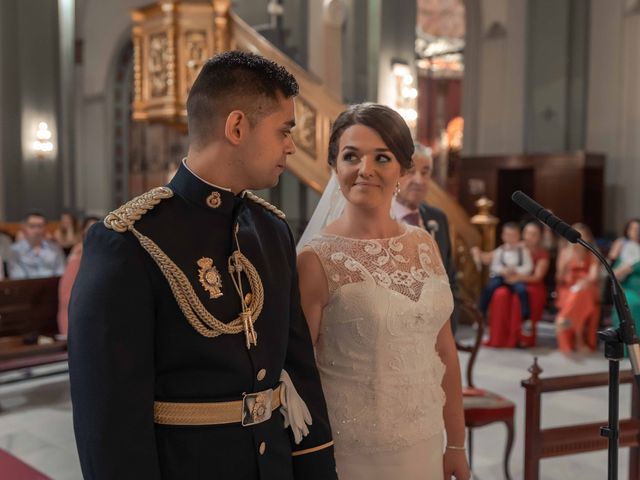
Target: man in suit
<point x="189" y="354"/>
<point x="410" y="207"/>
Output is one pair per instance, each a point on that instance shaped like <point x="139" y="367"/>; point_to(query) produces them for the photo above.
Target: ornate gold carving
<point x="125" y="216"/>
<point x="158" y="64"/>
<point x="137" y="76"/>
<point x="304" y="135"/>
<point x="214" y="200"/>
<point x="209" y="277"/>
<point x="262" y="202"/>
<point x="222" y="31"/>
<point x="196" y="54"/>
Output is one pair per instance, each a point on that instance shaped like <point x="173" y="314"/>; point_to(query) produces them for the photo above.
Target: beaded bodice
<point x="376" y="351"/>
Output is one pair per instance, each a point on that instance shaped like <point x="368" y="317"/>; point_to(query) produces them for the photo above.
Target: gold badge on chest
<point x="210" y="277"/>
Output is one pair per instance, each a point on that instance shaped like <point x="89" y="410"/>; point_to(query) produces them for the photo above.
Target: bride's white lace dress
<point x="377" y="357"/>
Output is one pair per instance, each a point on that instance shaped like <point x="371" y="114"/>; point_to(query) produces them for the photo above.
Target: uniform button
<point x="247" y="299"/>
<point x="261" y="374"/>
<point x="263" y="448"/>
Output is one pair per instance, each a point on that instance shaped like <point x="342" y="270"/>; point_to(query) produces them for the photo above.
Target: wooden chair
<point x="482" y="407"/>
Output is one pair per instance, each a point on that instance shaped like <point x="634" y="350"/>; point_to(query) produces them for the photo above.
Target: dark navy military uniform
<point x="130" y="345"/>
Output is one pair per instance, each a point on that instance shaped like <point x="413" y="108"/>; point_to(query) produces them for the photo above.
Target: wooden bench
<point x="28" y="315"/>
<point x="567" y="440"/>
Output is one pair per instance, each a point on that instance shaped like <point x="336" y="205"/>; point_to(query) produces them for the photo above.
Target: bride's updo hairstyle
<point x="384" y="120"/>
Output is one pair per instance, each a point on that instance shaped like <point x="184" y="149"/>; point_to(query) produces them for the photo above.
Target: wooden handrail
<point x="542" y="443"/>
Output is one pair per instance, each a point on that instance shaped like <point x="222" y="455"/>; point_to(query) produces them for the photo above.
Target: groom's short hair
<point x="231" y="81"/>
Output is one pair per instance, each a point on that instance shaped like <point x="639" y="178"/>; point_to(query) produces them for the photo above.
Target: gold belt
<point x="254" y="408"/>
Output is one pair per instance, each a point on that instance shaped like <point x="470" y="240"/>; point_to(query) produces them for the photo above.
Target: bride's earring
<point x="396" y="192"/>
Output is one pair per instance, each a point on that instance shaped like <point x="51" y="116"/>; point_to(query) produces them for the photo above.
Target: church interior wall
<point x="512" y="71"/>
<point x="30" y="95"/>
<point x="613" y="104"/>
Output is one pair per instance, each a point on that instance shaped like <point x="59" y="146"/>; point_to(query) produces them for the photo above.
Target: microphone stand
<point x="614" y="352"/>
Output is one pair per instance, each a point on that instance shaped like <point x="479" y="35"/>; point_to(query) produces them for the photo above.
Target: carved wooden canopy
<point x="171" y="41"/>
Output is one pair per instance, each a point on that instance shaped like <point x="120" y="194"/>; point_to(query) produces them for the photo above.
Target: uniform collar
<point x="202" y="193"/>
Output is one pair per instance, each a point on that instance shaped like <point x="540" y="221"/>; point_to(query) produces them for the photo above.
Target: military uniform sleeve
<point x="313" y="457"/>
<point x="111" y="359"/>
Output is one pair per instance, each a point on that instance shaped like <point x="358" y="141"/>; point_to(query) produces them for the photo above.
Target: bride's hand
<point x="455" y="465"/>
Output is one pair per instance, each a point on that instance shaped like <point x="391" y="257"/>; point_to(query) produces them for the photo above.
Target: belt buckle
<point x="256" y="407"/>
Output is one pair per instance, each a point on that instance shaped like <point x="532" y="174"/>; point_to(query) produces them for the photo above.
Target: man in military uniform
<point x="187" y="340"/>
<point x="410" y="207"/>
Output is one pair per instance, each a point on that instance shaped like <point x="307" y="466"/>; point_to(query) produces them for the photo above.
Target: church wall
<point x="30" y="94"/>
<point x="614" y="104"/>
<point x="104" y="28"/>
<point x="494" y="79"/>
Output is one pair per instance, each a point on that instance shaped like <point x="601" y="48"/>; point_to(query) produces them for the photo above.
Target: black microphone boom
<point x="545" y="216"/>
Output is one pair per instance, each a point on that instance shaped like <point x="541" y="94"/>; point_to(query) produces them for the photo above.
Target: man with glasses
<point x="34" y="256"/>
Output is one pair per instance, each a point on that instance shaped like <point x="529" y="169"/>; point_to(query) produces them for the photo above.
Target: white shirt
<point x="517" y="258"/>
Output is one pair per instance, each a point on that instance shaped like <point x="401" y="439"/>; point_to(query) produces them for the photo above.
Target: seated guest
<point x="33" y="256"/>
<point x="509" y="261"/>
<point x="67" y="234"/>
<point x="577" y="301"/>
<point x="505" y="319"/>
<point x="69" y="276"/>
<point x="627" y="270"/>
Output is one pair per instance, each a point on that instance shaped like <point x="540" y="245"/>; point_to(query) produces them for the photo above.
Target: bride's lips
<point x="365" y="184"/>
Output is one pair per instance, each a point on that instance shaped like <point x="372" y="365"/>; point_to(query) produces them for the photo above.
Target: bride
<point x="377" y="300"/>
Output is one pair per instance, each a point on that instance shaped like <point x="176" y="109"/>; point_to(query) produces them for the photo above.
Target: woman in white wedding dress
<point x="377" y="301"/>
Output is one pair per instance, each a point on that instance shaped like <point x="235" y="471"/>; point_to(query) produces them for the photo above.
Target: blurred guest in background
<point x="577" y="287"/>
<point x="67" y="234"/>
<point x="33" y="256"/>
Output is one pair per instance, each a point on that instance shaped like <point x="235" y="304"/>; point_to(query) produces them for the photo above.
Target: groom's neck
<point x="215" y="165"/>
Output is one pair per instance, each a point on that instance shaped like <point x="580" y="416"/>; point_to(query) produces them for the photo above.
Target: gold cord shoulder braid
<point x="262" y="202"/>
<point x="124" y="218"/>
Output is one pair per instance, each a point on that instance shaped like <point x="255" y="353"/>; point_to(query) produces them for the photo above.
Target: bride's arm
<point x="314" y="292"/>
<point x="455" y="461"/>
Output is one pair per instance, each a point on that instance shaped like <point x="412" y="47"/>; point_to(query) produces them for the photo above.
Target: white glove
<point x="293" y="409"/>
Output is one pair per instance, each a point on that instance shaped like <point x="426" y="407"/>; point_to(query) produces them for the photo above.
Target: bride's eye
<point x="349" y="157"/>
<point x="381" y="158"/>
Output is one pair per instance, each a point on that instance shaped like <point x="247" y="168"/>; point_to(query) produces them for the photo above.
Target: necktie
<point x="412" y="218"/>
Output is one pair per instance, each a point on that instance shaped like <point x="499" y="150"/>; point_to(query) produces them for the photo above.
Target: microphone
<point x="545" y="216"/>
<point x="627" y="332"/>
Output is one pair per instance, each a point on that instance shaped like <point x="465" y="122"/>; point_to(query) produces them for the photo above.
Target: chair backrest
<point x="471" y="312"/>
<point x="29" y="306"/>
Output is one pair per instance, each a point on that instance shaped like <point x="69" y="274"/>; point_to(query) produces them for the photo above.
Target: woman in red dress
<point x="505" y="320"/>
<point x="577" y="287"/>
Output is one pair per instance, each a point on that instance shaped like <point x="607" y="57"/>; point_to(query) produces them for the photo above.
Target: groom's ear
<point x="236" y="127"/>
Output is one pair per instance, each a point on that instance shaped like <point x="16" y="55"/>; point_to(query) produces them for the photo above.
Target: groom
<point x="186" y="310"/>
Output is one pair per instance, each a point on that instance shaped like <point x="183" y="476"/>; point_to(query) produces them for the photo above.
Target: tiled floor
<point x="35" y="421"/>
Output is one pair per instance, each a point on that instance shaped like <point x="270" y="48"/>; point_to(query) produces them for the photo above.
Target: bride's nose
<point x="367" y="166"/>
